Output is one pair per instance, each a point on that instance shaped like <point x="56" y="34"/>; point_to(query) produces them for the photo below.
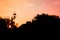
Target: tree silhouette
<point x="4" y="25"/>
<point x="42" y="23"/>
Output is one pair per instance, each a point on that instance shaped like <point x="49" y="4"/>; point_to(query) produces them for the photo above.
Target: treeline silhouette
<point x="4" y="23"/>
<point x="40" y="23"/>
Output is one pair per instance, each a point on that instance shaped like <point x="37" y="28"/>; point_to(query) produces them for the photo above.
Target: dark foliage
<point x="40" y="23"/>
<point x="4" y="22"/>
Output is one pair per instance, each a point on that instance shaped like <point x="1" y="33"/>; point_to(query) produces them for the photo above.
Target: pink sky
<point x="27" y="9"/>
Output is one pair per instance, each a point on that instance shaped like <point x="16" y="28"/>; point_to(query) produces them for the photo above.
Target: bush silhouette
<point x="4" y="22"/>
<point x="42" y="23"/>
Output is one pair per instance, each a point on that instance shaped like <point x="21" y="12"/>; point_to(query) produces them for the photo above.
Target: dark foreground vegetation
<point x="40" y="23"/>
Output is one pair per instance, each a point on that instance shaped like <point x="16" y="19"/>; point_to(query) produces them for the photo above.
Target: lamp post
<point x="12" y="20"/>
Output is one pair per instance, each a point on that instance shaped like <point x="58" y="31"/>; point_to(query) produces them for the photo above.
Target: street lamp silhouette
<point x="12" y="20"/>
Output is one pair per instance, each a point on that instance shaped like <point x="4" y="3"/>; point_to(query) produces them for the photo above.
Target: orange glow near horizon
<point x="27" y="9"/>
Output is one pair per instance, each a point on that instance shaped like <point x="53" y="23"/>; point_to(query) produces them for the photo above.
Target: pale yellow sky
<point x="27" y="9"/>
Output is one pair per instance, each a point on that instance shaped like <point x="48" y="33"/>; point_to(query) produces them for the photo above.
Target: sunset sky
<point x="27" y="9"/>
